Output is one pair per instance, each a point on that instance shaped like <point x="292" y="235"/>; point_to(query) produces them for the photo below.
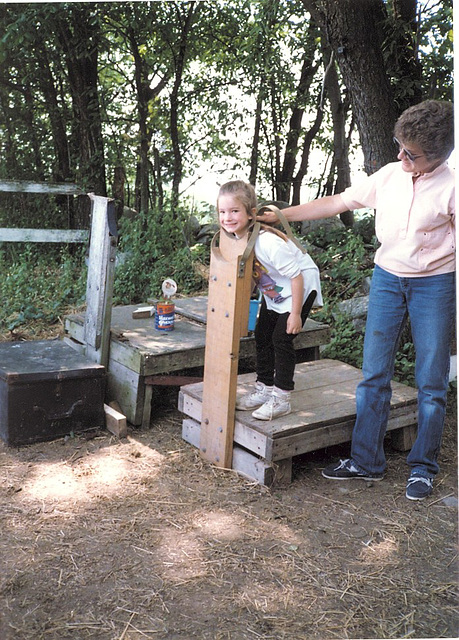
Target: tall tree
<point x="354" y="31"/>
<point x="185" y="14"/>
<point x="78" y="33"/>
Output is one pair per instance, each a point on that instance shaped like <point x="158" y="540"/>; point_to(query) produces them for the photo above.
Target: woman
<point x="414" y="277"/>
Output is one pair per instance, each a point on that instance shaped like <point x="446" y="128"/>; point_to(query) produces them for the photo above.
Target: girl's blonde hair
<point x="245" y="193"/>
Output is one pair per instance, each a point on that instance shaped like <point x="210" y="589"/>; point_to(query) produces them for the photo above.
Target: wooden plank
<point x="324" y="416"/>
<point x="227" y="317"/>
<point x="139" y="346"/>
<point x="308" y="437"/>
<point x="193" y="307"/>
<point x="143" y="312"/>
<point x="74" y="327"/>
<point x="43" y="235"/>
<point x="171" y="381"/>
<point x="314" y="402"/>
<point x="115" y="421"/>
<point x="77" y="346"/>
<point x="249" y="438"/>
<point x="128" y="388"/>
<point x="99" y="289"/>
<point x="403" y="439"/>
<point x="318" y="410"/>
<point x="25" y="186"/>
<point x="243" y="461"/>
<point x="327" y="435"/>
<point x="261" y="471"/>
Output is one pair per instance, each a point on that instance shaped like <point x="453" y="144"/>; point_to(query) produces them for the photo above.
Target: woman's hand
<point x="267" y="216"/>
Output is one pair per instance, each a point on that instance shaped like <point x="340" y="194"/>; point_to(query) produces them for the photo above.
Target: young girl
<point x="289" y="282"/>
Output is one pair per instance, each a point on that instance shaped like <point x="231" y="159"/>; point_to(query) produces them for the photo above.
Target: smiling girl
<point x="290" y="284"/>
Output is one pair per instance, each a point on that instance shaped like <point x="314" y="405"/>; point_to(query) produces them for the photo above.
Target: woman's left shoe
<point x="418" y="487"/>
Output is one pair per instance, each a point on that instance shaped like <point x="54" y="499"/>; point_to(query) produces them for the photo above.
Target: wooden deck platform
<point x="323" y="414"/>
<point x="138" y="352"/>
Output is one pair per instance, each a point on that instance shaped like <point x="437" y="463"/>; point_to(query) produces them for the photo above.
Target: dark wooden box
<point x="48" y="390"/>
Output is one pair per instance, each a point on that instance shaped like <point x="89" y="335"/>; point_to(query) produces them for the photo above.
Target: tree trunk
<point x="78" y="35"/>
<point x="285" y="178"/>
<point x="256" y="139"/>
<point x="174" y="117"/>
<point x="309" y="137"/>
<point x="143" y="96"/>
<point x="354" y="31"/>
<point x="119" y="178"/>
<point x="340" y="174"/>
<point x="61" y="172"/>
<point x="407" y="67"/>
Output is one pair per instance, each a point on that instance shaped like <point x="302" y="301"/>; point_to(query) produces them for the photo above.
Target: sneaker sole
<point x="415" y="498"/>
<point x="367" y="478"/>
<point x="279" y="415"/>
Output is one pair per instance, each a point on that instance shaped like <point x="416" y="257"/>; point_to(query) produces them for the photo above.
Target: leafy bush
<point x="39" y="283"/>
<point x="153" y="248"/>
<point x="345" y="262"/>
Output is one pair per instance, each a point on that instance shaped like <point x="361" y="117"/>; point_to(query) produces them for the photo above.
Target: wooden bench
<point x="323" y="414"/>
<point x="138" y="352"/>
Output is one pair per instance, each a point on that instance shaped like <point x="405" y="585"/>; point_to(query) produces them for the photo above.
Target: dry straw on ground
<point x="126" y="540"/>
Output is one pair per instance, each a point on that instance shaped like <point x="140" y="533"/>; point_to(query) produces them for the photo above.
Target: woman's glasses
<point x="411" y="157"/>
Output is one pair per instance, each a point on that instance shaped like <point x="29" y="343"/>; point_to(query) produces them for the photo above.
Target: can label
<point x="165" y="316"/>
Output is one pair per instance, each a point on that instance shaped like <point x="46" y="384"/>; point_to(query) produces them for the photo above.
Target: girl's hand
<point x="294" y="324"/>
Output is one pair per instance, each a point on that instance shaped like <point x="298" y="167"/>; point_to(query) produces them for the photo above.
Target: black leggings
<point x="275" y="351"/>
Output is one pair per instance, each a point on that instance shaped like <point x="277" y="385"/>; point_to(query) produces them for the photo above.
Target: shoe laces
<point x="259" y="388"/>
<point x="346" y="464"/>
<point x="413" y="479"/>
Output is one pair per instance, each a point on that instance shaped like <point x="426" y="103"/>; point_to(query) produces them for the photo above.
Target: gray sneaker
<point x="348" y="470"/>
<point x="418" y="487"/>
<point x="255" y="399"/>
<point x="274" y="407"/>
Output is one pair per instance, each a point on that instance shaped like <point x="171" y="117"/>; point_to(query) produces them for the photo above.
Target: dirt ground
<point x="139" y="538"/>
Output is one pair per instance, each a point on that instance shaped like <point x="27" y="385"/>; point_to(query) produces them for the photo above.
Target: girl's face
<point x="232" y="215"/>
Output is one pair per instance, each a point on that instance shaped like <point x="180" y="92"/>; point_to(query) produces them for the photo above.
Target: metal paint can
<point x="165" y="315"/>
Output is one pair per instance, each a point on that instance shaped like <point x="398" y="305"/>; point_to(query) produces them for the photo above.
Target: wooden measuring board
<point x="227" y="318"/>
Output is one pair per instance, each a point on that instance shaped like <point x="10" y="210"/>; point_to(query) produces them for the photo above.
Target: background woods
<point x="144" y="94"/>
<point x="139" y="100"/>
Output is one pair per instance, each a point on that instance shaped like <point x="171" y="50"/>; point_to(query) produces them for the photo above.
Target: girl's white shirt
<point x="284" y="261"/>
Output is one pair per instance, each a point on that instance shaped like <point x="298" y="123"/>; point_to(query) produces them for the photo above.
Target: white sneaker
<point x="277" y="405"/>
<point x="256" y="398"/>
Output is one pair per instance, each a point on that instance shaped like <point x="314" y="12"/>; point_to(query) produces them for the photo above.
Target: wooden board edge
<point x="244" y="462"/>
<point x="115" y="421"/>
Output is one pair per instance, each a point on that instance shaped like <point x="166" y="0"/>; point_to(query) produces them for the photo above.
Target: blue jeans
<point x="430" y="304"/>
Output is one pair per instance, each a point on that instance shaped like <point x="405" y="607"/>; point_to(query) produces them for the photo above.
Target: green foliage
<point x="238" y="56"/>
<point x="346" y="344"/>
<point x="153" y="248"/>
<point x="346" y="259"/>
<point x="39" y="283"/>
<point x="344" y="263"/>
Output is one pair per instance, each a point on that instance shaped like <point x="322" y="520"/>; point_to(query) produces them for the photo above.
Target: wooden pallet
<point x="138" y="351"/>
<point x="323" y="414"/>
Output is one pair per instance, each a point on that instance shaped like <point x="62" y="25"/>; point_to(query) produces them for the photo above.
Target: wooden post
<point x="227" y="318"/>
<point x="101" y="274"/>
